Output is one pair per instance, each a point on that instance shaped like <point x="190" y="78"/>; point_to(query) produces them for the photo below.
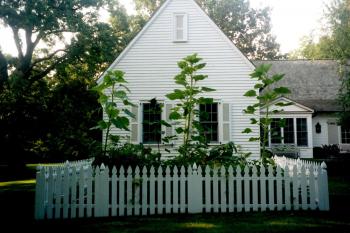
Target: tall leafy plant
<point x="189" y="97"/>
<point x="114" y="82"/>
<point x="265" y="95"/>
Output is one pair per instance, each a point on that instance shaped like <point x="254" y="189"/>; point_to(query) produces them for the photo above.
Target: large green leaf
<point x="207" y="89"/>
<point x="174" y="116"/>
<point x="121" y="123"/>
<point x="250" y="93"/>
<point x="282" y="90"/>
<point x="247" y="130"/>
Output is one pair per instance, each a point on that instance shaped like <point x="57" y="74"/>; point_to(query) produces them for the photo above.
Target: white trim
<point x="307" y="109"/>
<point x="137" y="37"/>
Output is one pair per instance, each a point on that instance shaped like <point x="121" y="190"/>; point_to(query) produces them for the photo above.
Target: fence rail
<point x="71" y="192"/>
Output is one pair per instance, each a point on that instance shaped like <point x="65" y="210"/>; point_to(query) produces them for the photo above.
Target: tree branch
<point x="3" y="69"/>
<point x="45" y="72"/>
<point x="39" y="60"/>
<point x="18" y="41"/>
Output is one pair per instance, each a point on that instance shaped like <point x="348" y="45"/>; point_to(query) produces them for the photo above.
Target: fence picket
<point x="114" y="191"/>
<point x="160" y="191"/>
<point x="271" y="187"/>
<point x="230" y="189"/>
<point x="239" y="188"/>
<point x="215" y="191"/>
<point x="82" y="187"/>
<point x="182" y="190"/>
<point x="312" y="188"/>
<point x="58" y="193"/>
<point x="287" y="183"/>
<point x="121" y="190"/>
<point x="175" y="190"/>
<point x="129" y="194"/>
<point x="167" y="191"/>
<point x="223" y="190"/>
<point x="263" y="188"/>
<point x="65" y="191"/>
<point x="152" y="191"/>
<point x="137" y="191"/>
<point x="255" y="188"/>
<point x="207" y="183"/>
<point x="295" y="188"/>
<point x="145" y="191"/>
<point x="246" y="179"/>
<point x="279" y="190"/>
<point x="303" y="188"/>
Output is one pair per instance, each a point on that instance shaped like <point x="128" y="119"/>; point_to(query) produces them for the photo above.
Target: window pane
<point x="209" y="121"/>
<point x="302" y="132"/>
<point x="345" y="136"/>
<point x="151" y="123"/>
<point x="179" y="34"/>
<point x="276" y="131"/>
<point x="289" y="131"/>
<point x="179" y="21"/>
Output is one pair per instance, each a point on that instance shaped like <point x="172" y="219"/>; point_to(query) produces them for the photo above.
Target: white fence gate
<point x="73" y="192"/>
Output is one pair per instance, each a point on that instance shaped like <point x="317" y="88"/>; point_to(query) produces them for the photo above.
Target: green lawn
<point x="17" y="208"/>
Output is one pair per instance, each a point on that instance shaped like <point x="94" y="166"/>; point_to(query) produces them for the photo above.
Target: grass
<point x="17" y="208"/>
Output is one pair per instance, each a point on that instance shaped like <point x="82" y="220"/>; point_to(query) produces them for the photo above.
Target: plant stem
<point x="108" y="125"/>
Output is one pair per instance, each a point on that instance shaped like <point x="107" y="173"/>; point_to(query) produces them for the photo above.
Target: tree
<point x="335" y="44"/>
<point x="248" y="28"/>
<point x="44" y="22"/>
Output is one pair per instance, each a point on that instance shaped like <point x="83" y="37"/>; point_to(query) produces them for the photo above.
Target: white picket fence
<point x="70" y="192"/>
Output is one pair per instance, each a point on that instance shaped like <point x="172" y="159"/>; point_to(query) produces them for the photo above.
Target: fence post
<point x="324" y="188"/>
<point x="195" y="197"/>
<point x="40" y="193"/>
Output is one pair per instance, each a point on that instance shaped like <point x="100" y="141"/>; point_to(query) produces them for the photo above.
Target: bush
<point x="326" y="151"/>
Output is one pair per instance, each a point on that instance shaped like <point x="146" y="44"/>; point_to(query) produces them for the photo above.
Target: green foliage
<point x="194" y="142"/>
<point x="113" y="81"/>
<point x="334" y="44"/>
<point x="248" y="28"/>
<point x="268" y="96"/>
<point x="129" y="155"/>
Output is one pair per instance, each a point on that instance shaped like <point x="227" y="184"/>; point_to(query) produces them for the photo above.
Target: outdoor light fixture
<point x="318" y="127"/>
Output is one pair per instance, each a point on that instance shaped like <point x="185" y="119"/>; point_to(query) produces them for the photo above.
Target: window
<point x="209" y="120"/>
<point x="180" y="27"/>
<point x="151" y="123"/>
<point x="345" y="136"/>
<point x="301" y="132"/>
<point x="276" y="136"/>
<point x="288" y="135"/>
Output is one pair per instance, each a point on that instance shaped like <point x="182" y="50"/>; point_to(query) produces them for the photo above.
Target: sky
<point x="290" y="19"/>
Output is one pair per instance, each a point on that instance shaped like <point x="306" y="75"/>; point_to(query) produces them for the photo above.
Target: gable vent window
<point x="180" y="27"/>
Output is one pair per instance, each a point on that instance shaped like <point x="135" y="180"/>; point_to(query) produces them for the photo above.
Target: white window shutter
<point x="226" y="123"/>
<point x="134" y="124"/>
<point x="167" y="110"/>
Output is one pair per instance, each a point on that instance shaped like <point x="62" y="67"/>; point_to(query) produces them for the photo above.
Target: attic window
<point x="180" y="27"/>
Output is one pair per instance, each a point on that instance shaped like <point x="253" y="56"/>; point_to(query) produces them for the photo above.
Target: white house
<point x="180" y="28"/>
<point x="311" y="120"/>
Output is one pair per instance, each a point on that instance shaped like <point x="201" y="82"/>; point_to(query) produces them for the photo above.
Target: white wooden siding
<point x="320" y="139"/>
<point x="151" y="63"/>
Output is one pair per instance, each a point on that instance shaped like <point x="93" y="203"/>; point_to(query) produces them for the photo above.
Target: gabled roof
<point x="313" y="83"/>
<point x="154" y="17"/>
<point x="293" y="108"/>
